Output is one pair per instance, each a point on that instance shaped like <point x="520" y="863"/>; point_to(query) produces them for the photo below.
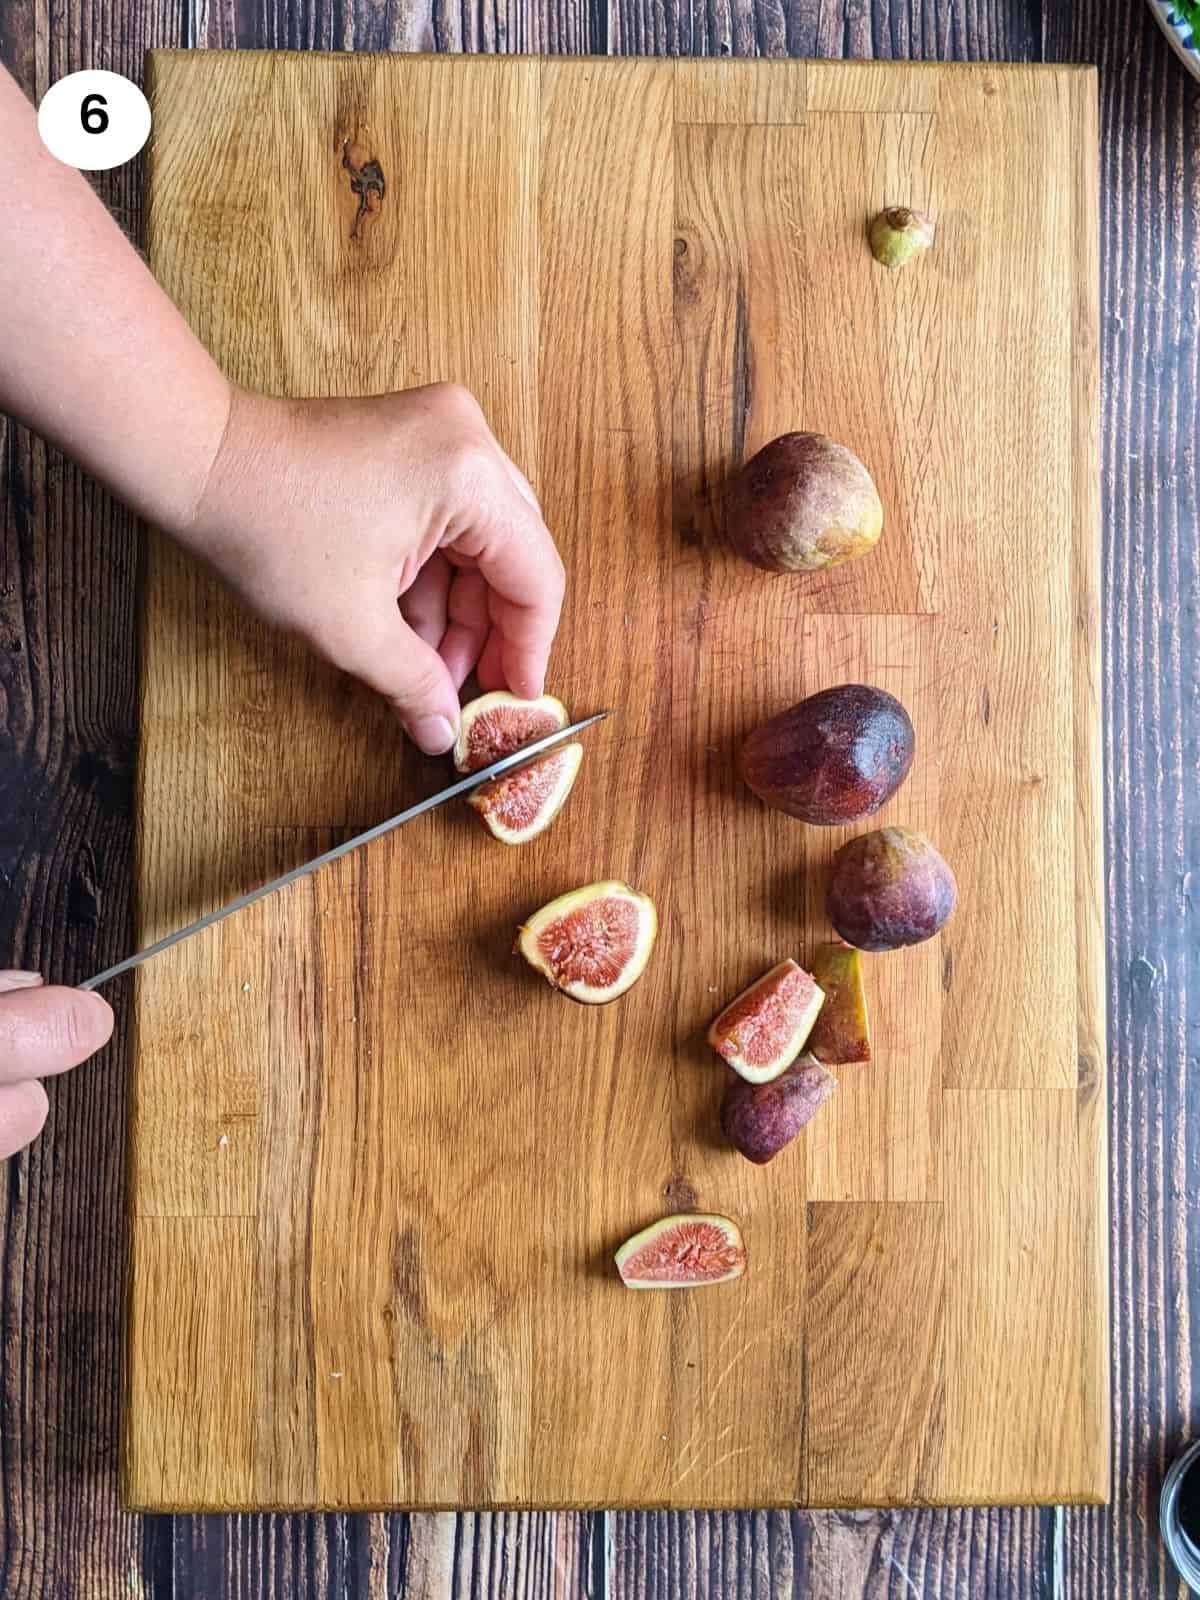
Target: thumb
<point x="413" y="677"/>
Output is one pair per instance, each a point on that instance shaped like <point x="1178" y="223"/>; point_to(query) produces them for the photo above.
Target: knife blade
<point x="473" y="780"/>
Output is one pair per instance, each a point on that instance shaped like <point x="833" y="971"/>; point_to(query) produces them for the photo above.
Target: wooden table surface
<point x="67" y="680"/>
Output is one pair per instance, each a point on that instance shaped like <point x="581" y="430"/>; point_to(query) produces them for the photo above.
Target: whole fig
<point x="835" y="757"/>
<point x="803" y="503"/>
<point x="889" y="888"/>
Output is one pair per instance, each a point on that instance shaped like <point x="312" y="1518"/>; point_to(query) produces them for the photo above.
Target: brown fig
<point x="803" y="503"/>
<point x="836" y="757"/>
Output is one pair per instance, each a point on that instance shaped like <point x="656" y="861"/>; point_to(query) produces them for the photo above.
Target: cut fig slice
<point x="682" y="1252"/>
<point x="759" y="1119"/>
<point x="593" y="943"/>
<point x="496" y="724"/>
<point x="762" y="1032"/>
<point x="519" y="805"/>
<point x="841" y="1035"/>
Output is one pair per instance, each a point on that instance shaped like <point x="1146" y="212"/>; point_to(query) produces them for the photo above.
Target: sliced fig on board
<point x="593" y="943"/>
<point x="496" y="724"/>
<point x="841" y="1035"/>
<point x="762" y="1032"/>
<point x="682" y="1252"/>
<point x="759" y="1119"/>
<point x="519" y="805"/>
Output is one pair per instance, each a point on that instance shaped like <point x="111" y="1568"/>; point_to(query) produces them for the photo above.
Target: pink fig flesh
<point x="593" y="943"/>
<point x="763" y="1030"/>
<point x="759" y="1119"/>
<point x="497" y="724"/>
<point x="520" y="804"/>
<point x="682" y="1252"/>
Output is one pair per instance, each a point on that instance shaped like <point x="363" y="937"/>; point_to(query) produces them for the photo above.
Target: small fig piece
<point x="836" y="757"/>
<point x="758" y="1119"/>
<point x="683" y="1252"/>
<point x="593" y="943"/>
<point x="898" y="235"/>
<point x="841" y="1035"/>
<point x="803" y="503"/>
<point x="496" y="724"/>
<point x="889" y="888"/>
<point x="762" y="1032"/>
<point x="521" y="804"/>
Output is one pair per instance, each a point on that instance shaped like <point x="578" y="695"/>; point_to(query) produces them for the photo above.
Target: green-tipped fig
<point x="889" y="888"/>
<point x="758" y="1119"/>
<point x="763" y="1030"/>
<point x="682" y="1252"/>
<point x="803" y="503"/>
<point x="841" y="1035"/>
<point x="899" y="235"/>
<point x="593" y="943"/>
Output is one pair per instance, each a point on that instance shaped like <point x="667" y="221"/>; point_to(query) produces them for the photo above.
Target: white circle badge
<point x="94" y="120"/>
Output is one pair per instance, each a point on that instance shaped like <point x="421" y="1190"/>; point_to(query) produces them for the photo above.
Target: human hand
<point x="395" y="536"/>
<point x="43" y="1030"/>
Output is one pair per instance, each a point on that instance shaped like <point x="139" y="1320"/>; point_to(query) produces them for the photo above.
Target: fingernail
<point x="14" y="979"/>
<point x="434" y="734"/>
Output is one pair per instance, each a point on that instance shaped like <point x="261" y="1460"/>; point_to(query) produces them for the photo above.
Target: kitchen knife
<point x="473" y="780"/>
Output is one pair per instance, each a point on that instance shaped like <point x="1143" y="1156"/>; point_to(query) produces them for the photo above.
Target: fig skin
<point x="802" y="504"/>
<point x="841" y="1035"/>
<point x="899" y="235"/>
<point x="889" y="888"/>
<point x="759" y="1119"/>
<point x="833" y="758"/>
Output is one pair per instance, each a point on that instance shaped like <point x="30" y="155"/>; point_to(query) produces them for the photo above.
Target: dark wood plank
<point x="66" y="747"/>
<point x="67" y="736"/>
<point x="1150" y="265"/>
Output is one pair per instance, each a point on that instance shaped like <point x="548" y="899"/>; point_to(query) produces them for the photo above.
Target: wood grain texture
<point x="876" y="1277"/>
<point x="67" y="762"/>
<point x="456" y="1316"/>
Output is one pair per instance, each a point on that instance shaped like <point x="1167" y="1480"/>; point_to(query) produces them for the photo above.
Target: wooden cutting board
<point x="379" y="1168"/>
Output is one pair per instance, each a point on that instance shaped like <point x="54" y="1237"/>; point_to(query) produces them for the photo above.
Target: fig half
<point x="759" y="1119"/>
<point x="762" y="1032"/>
<point x="496" y="724"/>
<point x="682" y="1252"/>
<point x="841" y="1035"/>
<point x="835" y="757"/>
<point x="517" y="806"/>
<point x="593" y="943"/>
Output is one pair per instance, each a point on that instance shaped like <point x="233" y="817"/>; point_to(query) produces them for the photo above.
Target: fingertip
<point x="434" y="735"/>
<point x="99" y="1016"/>
<point x="525" y="674"/>
<point x="24" y="1107"/>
